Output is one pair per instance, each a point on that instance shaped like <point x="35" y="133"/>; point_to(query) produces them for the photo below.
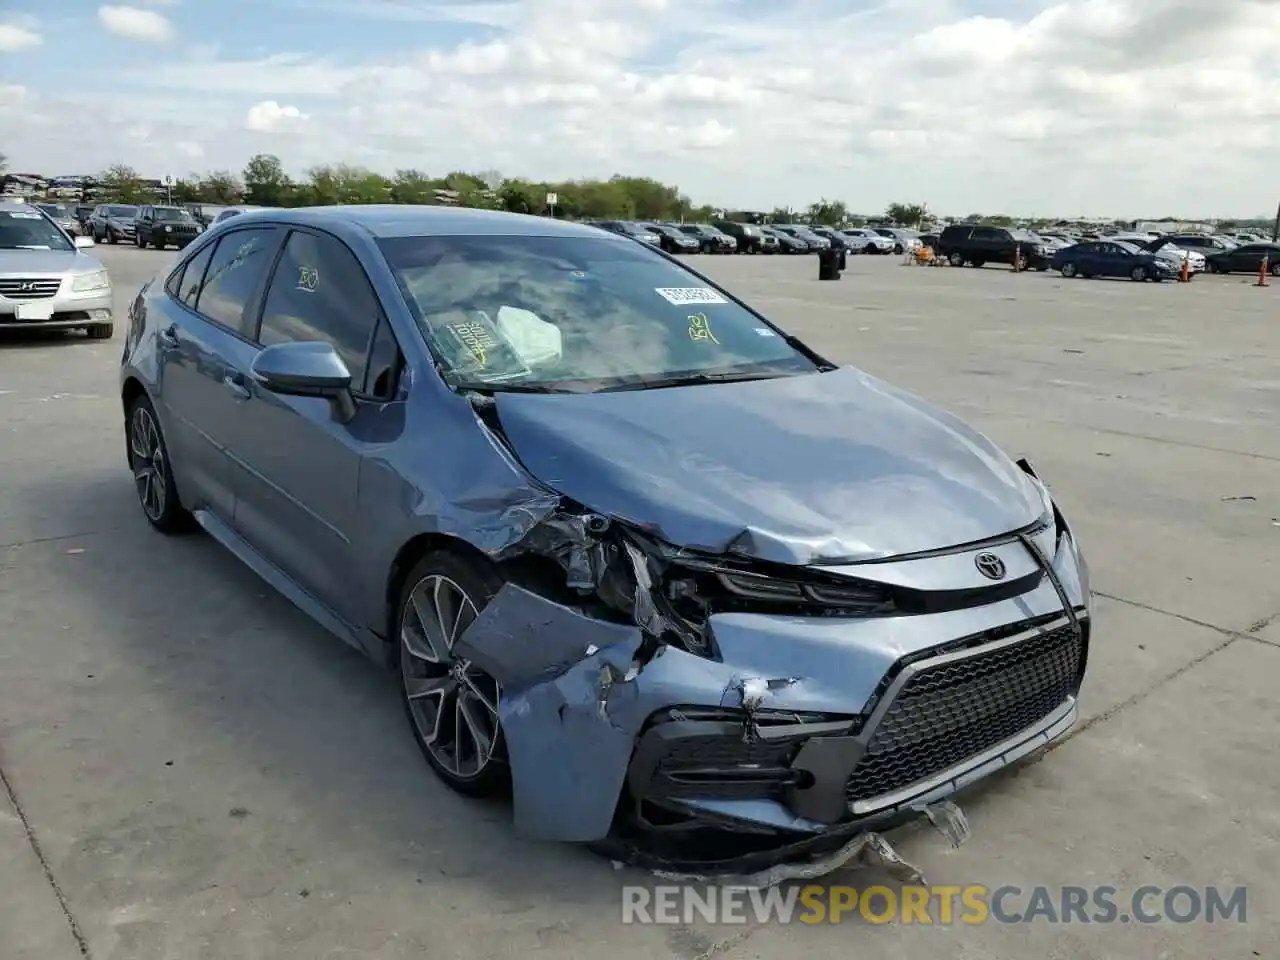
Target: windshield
<point x="1022" y="236"/>
<point x="55" y="210"/>
<point x="575" y="313"/>
<point x="28" y="230"/>
<point x="171" y="213"/>
<point x="123" y="213"/>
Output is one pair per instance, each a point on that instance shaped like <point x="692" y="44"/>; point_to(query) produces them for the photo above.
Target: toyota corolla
<point x="636" y="554"/>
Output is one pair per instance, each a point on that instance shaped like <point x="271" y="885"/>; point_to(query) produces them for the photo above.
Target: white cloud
<point x="134" y="23"/>
<point x="1073" y="107"/>
<point x="270" y="117"/>
<point x="14" y="38"/>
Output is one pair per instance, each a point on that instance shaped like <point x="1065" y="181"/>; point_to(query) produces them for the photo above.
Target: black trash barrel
<point x="828" y="264"/>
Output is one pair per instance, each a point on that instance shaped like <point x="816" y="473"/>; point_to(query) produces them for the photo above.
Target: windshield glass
<point x="1022" y="236"/>
<point x="55" y="210"/>
<point x="124" y="213"/>
<point x="576" y="313"/>
<point x="171" y="213"/>
<point x="29" y="230"/>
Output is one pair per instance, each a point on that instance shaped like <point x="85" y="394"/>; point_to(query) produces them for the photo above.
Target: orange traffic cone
<point x="1184" y="275"/>
<point x="1262" y="272"/>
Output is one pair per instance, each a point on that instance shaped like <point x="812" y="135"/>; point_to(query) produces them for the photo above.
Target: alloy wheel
<point x="149" y="476"/>
<point x="453" y="704"/>
<point x="1068" y="270"/>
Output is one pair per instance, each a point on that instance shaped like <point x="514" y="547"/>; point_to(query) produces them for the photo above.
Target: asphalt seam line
<point x="27" y="828"/>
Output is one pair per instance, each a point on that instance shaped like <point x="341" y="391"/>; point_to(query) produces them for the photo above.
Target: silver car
<point x="45" y="279"/>
<point x="634" y="552"/>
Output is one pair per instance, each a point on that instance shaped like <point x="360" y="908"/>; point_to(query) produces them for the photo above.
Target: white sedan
<point x="1167" y="250"/>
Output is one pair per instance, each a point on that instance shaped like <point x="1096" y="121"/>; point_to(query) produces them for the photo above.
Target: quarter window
<point x="186" y="286"/>
<point x="229" y="295"/>
<point x="320" y="292"/>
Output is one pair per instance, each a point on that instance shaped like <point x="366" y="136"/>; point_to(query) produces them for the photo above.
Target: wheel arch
<point x="407" y="557"/>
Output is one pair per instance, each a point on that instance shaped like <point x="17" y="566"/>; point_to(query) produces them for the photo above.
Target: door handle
<point x="233" y="383"/>
<point x="169" y="337"/>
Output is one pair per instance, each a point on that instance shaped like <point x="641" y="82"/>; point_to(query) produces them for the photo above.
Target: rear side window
<point x="237" y="270"/>
<point x="321" y="293"/>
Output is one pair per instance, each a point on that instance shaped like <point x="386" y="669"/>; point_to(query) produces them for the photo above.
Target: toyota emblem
<point x="990" y="566"/>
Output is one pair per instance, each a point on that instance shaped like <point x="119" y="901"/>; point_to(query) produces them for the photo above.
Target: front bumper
<point x="63" y="310"/>
<point x="797" y="726"/>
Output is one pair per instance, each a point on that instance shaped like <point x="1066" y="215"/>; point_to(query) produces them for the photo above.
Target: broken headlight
<point x="721" y="587"/>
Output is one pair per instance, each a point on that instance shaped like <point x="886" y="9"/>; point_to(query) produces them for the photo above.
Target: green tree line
<point x="264" y="182"/>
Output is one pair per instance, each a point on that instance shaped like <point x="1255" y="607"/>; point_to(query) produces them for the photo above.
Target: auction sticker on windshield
<point x="681" y="296"/>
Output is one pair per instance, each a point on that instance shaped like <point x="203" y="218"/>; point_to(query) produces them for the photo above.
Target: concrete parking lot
<point x="193" y="770"/>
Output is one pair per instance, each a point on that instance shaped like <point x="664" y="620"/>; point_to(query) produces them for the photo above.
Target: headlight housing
<point x="86" y="282"/>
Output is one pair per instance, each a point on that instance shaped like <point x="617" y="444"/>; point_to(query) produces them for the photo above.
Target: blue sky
<point x="1075" y="107"/>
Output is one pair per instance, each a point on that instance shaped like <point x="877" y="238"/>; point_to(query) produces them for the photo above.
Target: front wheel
<point x="956" y="260"/>
<point x="152" y="475"/>
<point x="452" y="705"/>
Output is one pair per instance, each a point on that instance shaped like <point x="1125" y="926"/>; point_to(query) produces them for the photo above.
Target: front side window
<point x="236" y="272"/>
<point x="186" y="285"/>
<point x="30" y="230"/>
<point x="576" y="313"/>
<point x="321" y="293"/>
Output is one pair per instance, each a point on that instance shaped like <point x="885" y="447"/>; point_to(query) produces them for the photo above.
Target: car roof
<point x="18" y="206"/>
<point x="386" y="221"/>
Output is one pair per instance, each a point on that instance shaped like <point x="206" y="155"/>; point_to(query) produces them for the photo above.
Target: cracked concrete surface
<point x="208" y="775"/>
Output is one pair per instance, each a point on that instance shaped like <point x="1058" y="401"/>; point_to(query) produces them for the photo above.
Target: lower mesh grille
<point x="951" y="712"/>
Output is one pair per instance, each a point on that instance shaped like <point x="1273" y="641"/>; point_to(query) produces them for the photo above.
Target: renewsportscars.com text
<point x="942" y="905"/>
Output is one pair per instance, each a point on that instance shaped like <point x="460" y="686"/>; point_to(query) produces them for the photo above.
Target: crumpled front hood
<point x="833" y="466"/>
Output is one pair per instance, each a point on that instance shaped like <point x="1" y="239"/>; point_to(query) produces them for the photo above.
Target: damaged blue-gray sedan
<point x="637" y="554"/>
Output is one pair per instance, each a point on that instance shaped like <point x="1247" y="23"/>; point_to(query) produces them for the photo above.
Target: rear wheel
<point x="1138" y="274"/>
<point x="1068" y="270"/>
<point x="152" y="475"/>
<point x="956" y="260"/>
<point x="452" y="705"/>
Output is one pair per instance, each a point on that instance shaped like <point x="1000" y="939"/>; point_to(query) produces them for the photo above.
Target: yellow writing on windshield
<point x="700" y="329"/>
<point x="476" y="337"/>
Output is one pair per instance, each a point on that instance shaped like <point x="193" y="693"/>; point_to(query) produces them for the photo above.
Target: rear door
<point x="295" y="469"/>
<point x="212" y="305"/>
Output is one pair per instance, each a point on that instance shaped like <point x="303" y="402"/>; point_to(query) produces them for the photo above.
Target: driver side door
<point x="296" y="469"/>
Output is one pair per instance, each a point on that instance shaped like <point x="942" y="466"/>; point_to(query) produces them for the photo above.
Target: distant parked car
<point x="61" y="214"/>
<point x="671" y="239"/>
<point x="1247" y="258"/>
<point x="226" y="213"/>
<point x="785" y="241"/>
<point x="831" y="235"/>
<point x="750" y="237"/>
<point x="1201" y="243"/>
<point x="1166" y="249"/>
<point x="162" y="227"/>
<point x="113" y="222"/>
<point x="1111" y="258"/>
<point x="710" y="239"/>
<point x="903" y="240"/>
<point x="865" y="240"/>
<point x="814" y="241"/>
<point x="978" y="245"/>
<point x="628" y="229"/>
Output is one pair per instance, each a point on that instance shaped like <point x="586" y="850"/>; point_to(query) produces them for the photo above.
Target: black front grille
<point x="23" y="289"/>
<point x="953" y="711"/>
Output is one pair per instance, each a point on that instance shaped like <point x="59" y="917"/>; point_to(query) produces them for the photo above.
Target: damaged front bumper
<point x="797" y="729"/>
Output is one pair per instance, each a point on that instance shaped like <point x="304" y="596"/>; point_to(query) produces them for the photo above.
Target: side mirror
<point x="307" y="369"/>
<point x="82" y="243"/>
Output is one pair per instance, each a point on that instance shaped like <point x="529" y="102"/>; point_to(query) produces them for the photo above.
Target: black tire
<point x="1275" y="269"/>
<point x="979" y="264"/>
<point x="171" y="517"/>
<point x="480" y="582"/>
<point x="111" y="236"/>
<point x="1069" y="270"/>
<point x="898" y="249"/>
<point x="1139" y="274"/>
<point x="99" y="331"/>
<point x="956" y="259"/>
<point x="139" y="242"/>
<point x="158" y="244"/>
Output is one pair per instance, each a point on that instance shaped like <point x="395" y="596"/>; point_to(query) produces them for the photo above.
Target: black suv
<point x="161" y="227"/>
<point x="978" y="245"/>
<point x="751" y="239"/>
<point x="709" y="238"/>
<point x="1201" y="243"/>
